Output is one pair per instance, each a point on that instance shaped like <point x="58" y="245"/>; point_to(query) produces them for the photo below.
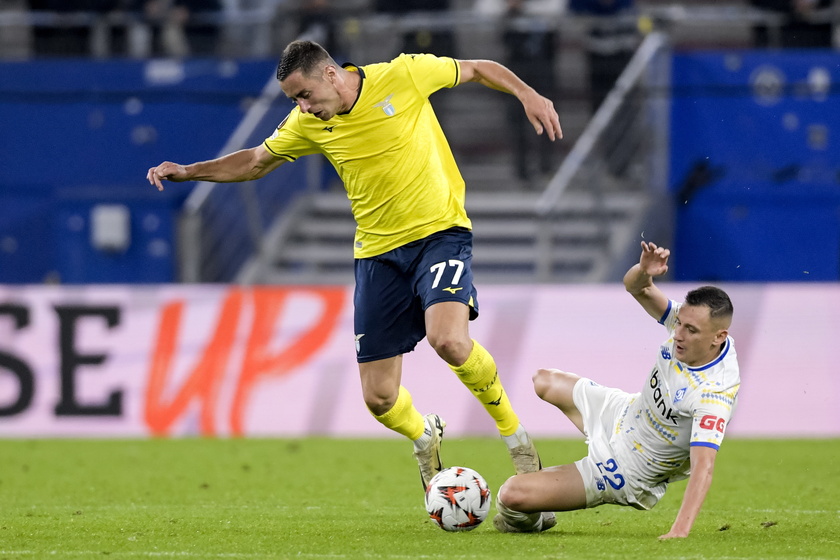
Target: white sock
<point x="424" y="440"/>
<point x="522" y="521"/>
<point x="517" y="438"/>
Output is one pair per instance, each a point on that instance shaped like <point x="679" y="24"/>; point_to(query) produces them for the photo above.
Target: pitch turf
<point x="326" y="498"/>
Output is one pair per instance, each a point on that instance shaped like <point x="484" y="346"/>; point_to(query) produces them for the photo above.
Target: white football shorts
<point x="603" y="473"/>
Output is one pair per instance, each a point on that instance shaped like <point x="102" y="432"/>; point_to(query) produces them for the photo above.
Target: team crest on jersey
<point x="389" y="109"/>
<point x="680" y="394"/>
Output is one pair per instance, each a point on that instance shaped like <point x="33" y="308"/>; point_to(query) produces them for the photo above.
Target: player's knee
<point x="511" y="494"/>
<point x="551" y="384"/>
<point x="379" y="404"/>
<point x="544" y="379"/>
<point x="453" y="349"/>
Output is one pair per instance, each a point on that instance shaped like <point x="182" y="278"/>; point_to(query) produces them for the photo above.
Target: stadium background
<point x="101" y="329"/>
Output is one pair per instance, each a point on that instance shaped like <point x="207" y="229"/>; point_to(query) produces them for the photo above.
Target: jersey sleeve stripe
<point x="705" y="444"/>
<point x="457" y="73"/>
<point x="284" y="156"/>
<point x="665" y="315"/>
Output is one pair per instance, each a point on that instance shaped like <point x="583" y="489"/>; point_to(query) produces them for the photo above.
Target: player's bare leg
<point x="522" y="498"/>
<point x="525" y="508"/>
<point x="391" y="405"/>
<point x="556" y="387"/>
<point x="381" y="383"/>
<point x="447" y="328"/>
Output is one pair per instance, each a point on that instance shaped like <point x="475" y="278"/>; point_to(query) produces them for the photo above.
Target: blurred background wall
<point x="721" y="144"/>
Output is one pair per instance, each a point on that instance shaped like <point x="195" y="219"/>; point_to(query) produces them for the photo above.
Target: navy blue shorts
<point x="394" y="289"/>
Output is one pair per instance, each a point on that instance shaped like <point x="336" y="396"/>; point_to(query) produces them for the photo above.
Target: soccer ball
<point x="458" y="499"/>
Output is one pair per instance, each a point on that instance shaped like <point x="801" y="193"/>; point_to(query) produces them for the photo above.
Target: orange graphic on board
<point x="203" y="383"/>
<point x="259" y="362"/>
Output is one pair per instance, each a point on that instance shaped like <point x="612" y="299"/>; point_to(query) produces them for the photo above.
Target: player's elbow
<point x="256" y="173"/>
<point x="636" y="282"/>
<point x="259" y="164"/>
<point x="629" y="278"/>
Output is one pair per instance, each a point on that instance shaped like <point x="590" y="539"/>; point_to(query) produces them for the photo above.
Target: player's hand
<point x="654" y="260"/>
<point x="543" y="116"/>
<point x="166" y="171"/>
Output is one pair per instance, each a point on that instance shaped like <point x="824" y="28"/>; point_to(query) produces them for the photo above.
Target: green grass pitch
<point x="341" y="498"/>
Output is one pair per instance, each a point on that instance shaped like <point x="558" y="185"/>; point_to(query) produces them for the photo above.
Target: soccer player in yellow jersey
<point x="413" y="243"/>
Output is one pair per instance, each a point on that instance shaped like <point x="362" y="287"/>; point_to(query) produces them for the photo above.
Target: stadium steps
<point x="313" y="243"/>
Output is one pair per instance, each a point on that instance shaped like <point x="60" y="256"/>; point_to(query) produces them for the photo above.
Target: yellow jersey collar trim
<point x="349" y="66"/>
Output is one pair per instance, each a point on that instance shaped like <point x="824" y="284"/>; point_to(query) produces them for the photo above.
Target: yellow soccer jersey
<point x="390" y="152"/>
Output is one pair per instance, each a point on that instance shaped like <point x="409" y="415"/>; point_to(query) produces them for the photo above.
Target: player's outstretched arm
<point x="639" y="279"/>
<point x="702" y="469"/>
<point x="539" y="110"/>
<point x="243" y="165"/>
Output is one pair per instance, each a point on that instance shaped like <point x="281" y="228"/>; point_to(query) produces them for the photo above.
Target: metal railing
<point x="253" y="30"/>
<point x="244" y="31"/>
<point x="223" y="224"/>
<point x="622" y="150"/>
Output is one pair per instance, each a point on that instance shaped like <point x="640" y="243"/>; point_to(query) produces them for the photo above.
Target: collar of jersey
<point x="716" y="360"/>
<point x="353" y="68"/>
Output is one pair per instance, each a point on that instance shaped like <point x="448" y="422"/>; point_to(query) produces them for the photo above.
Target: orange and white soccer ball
<point x="458" y="499"/>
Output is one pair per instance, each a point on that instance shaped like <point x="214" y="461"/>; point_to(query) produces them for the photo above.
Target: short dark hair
<point x="305" y="56"/>
<point x="714" y="298"/>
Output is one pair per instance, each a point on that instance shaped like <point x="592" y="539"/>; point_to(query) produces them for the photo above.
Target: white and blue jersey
<point x="640" y="442"/>
<point x="678" y="407"/>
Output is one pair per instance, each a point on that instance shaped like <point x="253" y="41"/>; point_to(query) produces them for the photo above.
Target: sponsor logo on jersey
<point x="389" y="109"/>
<point x="710" y="422"/>
<point x="452" y="290"/>
<point x="328" y="128"/>
<point x="665" y="411"/>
